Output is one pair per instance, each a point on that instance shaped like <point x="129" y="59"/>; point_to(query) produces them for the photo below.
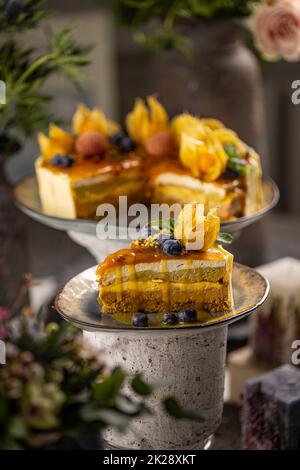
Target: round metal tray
<point x="28" y="201"/>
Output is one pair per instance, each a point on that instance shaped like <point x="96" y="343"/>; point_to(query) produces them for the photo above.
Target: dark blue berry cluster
<point x="63" y="161"/>
<point x="123" y="141"/>
<point x="185" y="316"/>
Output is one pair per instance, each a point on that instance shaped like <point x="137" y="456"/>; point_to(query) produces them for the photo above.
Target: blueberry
<point x="172" y="247"/>
<point x="117" y="138"/>
<point x="170" y="318"/>
<point x="67" y="161"/>
<point x="57" y="160"/>
<point x="163" y="237"/>
<point x="231" y="174"/>
<point x="127" y="145"/>
<point x="140" y="320"/>
<point x="187" y="316"/>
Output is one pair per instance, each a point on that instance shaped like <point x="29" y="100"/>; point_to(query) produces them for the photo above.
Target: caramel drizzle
<point x="165" y="284"/>
<point x="119" y="283"/>
<point x="147" y="255"/>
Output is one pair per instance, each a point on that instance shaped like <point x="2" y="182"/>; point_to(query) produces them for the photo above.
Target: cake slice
<point x="159" y="274"/>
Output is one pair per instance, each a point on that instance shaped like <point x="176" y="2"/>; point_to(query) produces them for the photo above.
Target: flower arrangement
<point x="274" y="24"/>
<point x="56" y="392"/>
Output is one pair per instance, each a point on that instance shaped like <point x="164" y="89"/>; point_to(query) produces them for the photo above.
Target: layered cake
<point x="154" y="159"/>
<point x="161" y="273"/>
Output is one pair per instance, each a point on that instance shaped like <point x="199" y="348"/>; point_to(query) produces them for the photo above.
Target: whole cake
<point x="154" y="159"/>
<point x="160" y="273"/>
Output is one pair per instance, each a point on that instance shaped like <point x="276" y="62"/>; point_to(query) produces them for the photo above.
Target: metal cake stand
<point x="189" y="358"/>
<point x="83" y="231"/>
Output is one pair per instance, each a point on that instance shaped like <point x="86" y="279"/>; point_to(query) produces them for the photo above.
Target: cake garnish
<point x="148" y="125"/>
<point x="208" y="148"/>
<point x="58" y="142"/>
<point x="86" y="119"/>
<point x="62" y="161"/>
<point x="187" y="316"/>
<point x="189" y="227"/>
<point x="161" y="144"/>
<point x="224" y="238"/>
<point x="91" y="143"/>
<point x="236" y="166"/>
<point x="192" y="230"/>
<point x="140" y="320"/>
<point x="169" y="318"/>
<point x="204" y="155"/>
<point x="195" y="230"/>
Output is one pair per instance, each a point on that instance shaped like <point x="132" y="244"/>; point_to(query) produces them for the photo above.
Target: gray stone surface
<point x="193" y="363"/>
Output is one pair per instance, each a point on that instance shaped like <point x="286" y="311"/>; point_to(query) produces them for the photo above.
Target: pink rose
<point x="276" y="27"/>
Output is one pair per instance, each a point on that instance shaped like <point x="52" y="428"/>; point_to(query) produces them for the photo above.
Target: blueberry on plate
<point x="140" y="320"/>
<point x="67" y="161"/>
<point x="57" y="160"/>
<point x="187" y="316"/>
<point x="116" y="139"/>
<point x="163" y="237"/>
<point x="172" y="247"/>
<point x="127" y="145"/>
<point x="169" y="318"/>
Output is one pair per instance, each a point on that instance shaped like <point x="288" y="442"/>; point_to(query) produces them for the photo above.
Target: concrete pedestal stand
<point x="193" y="364"/>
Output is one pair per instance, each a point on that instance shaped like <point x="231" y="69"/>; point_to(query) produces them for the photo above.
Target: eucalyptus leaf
<point x="174" y="409"/>
<point x="109" y="387"/>
<point x="140" y="387"/>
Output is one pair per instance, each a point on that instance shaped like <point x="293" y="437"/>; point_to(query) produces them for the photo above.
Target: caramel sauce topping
<point x="91" y="167"/>
<point x="132" y="256"/>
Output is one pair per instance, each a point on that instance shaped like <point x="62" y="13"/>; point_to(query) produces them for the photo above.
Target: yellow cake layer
<point x="157" y="296"/>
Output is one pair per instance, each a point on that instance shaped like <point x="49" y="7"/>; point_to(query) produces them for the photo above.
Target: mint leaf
<point x="231" y="150"/>
<point x="225" y="238"/>
<point x="237" y="164"/>
<point x="163" y="223"/>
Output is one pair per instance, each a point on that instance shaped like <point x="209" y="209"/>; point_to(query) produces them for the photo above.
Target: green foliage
<point x="140" y="387"/>
<point x="16" y="15"/>
<point x="164" y="36"/>
<point x="224" y="238"/>
<point x="174" y="409"/>
<point x="25" y="71"/>
<point x="55" y="386"/>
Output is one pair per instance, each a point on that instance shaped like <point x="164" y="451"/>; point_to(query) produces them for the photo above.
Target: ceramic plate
<point x="77" y="303"/>
<point x="27" y="199"/>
